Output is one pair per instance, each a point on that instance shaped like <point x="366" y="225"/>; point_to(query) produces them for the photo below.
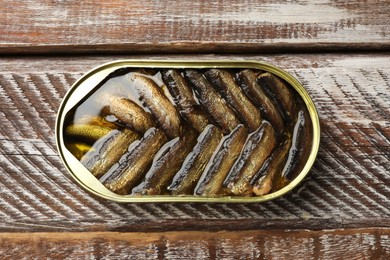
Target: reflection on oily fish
<point x="106" y="150"/>
<point x="159" y="105"/>
<point x="187" y="177"/>
<point x="93" y="155"/>
<point x="301" y="144"/>
<point x="113" y="152"/>
<point x="258" y="147"/>
<point x="212" y="102"/>
<point x="166" y="164"/>
<point x="281" y="94"/>
<point x="132" y="167"/>
<point x="210" y="183"/>
<point x="247" y="79"/>
<point x="184" y="99"/>
<point x="272" y="169"/>
<point x="223" y="81"/>
<point x="127" y="111"/>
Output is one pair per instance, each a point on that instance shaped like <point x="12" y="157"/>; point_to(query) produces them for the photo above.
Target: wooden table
<point x="339" y="50"/>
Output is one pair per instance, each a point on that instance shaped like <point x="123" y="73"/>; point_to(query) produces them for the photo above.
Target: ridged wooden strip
<point x="24" y="100"/>
<point x="347" y="187"/>
<point x="251" y="244"/>
<point x="26" y="147"/>
<point x="144" y="213"/>
<point x="32" y="204"/>
<point x="229" y="25"/>
<point x="29" y="113"/>
<point x="62" y="194"/>
<point x="365" y="182"/>
<point x="346" y="141"/>
<point x="337" y="96"/>
<point x="376" y="96"/>
<point x="42" y="194"/>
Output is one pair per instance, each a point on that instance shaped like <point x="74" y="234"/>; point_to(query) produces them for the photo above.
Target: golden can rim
<point x="90" y="80"/>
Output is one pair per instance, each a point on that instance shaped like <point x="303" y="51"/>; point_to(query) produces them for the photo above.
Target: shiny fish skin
<point x="223" y="81"/>
<point x="212" y="102"/>
<point x="305" y="143"/>
<point x="93" y="155"/>
<point x="187" y="177"/>
<point x="273" y="170"/>
<point x="128" y="112"/>
<point x="300" y="149"/>
<point x="210" y="184"/>
<point x="281" y="94"/>
<point x="184" y="99"/>
<point x="160" y="106"/>
<point x="247" y="79"/>
<point x="165" y="167"/>
<point x="257" y="149"/>
<point x="113" y="152"/>
<point x="87" y="133"/>
<point x="132" y="166"/>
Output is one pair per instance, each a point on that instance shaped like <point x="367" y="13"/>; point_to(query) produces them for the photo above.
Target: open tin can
<point x="187" y="131"/>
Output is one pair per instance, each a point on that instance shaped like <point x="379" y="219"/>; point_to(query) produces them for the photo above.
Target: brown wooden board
<point x="47" y="26"/>
<point x="348" y="187"/>
<point x="276" y="244"/>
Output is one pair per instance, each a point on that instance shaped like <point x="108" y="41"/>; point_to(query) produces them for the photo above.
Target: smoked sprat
<point x="200" y="132"/>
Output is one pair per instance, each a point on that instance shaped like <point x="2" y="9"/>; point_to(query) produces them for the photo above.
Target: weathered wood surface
<point x="348" y="187"/>
<point x="277" y="244"/>
<point x="47" y="26"/>
<point x="347" y="190"/>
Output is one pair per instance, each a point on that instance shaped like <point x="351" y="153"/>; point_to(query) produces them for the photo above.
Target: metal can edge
<point x="111" y="66"/>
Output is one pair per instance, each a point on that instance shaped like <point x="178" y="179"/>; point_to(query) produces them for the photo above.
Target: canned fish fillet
<point x="187" y="131"/>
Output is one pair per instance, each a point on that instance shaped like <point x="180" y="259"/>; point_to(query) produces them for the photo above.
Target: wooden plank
<point x="280" y="244"/>
<point x="192" y="26"/>
<point x="347" y="187"/>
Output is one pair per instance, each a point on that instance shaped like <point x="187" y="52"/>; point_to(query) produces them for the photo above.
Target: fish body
<point x="258" y="147"/>
<point x="184" y="99"/>
<point x="107" y="151"/>
<point x="98" y="148"/>
<point x="278" y="90"/>
<point x="300" y="147"/>
<point x="133" y="165"/>
<point x="212" y="102"/>
<point x="272" y="172"/>
<point x="186" y="178"/>
<point x="223" y="81"/>
<point x="86" y="132"/>
<point x="128" y="112"/>
<point x="210" y="184"/>
<point x="165" y="167"/>
<point x="160" y="106"/>
<point x="251" y="88"/>
<point x="113" y="152"/>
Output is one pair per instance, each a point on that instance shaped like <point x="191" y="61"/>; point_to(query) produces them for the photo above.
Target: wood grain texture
<point x="47" y="26"/>
<point x="277" y="244"/>
<point x="347" y="187"/>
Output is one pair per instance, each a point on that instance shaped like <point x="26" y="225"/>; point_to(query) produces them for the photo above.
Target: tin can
<point x="90" y="84"/>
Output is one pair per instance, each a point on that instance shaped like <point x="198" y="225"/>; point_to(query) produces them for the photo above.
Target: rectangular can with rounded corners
<point x="91" y="80"/>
